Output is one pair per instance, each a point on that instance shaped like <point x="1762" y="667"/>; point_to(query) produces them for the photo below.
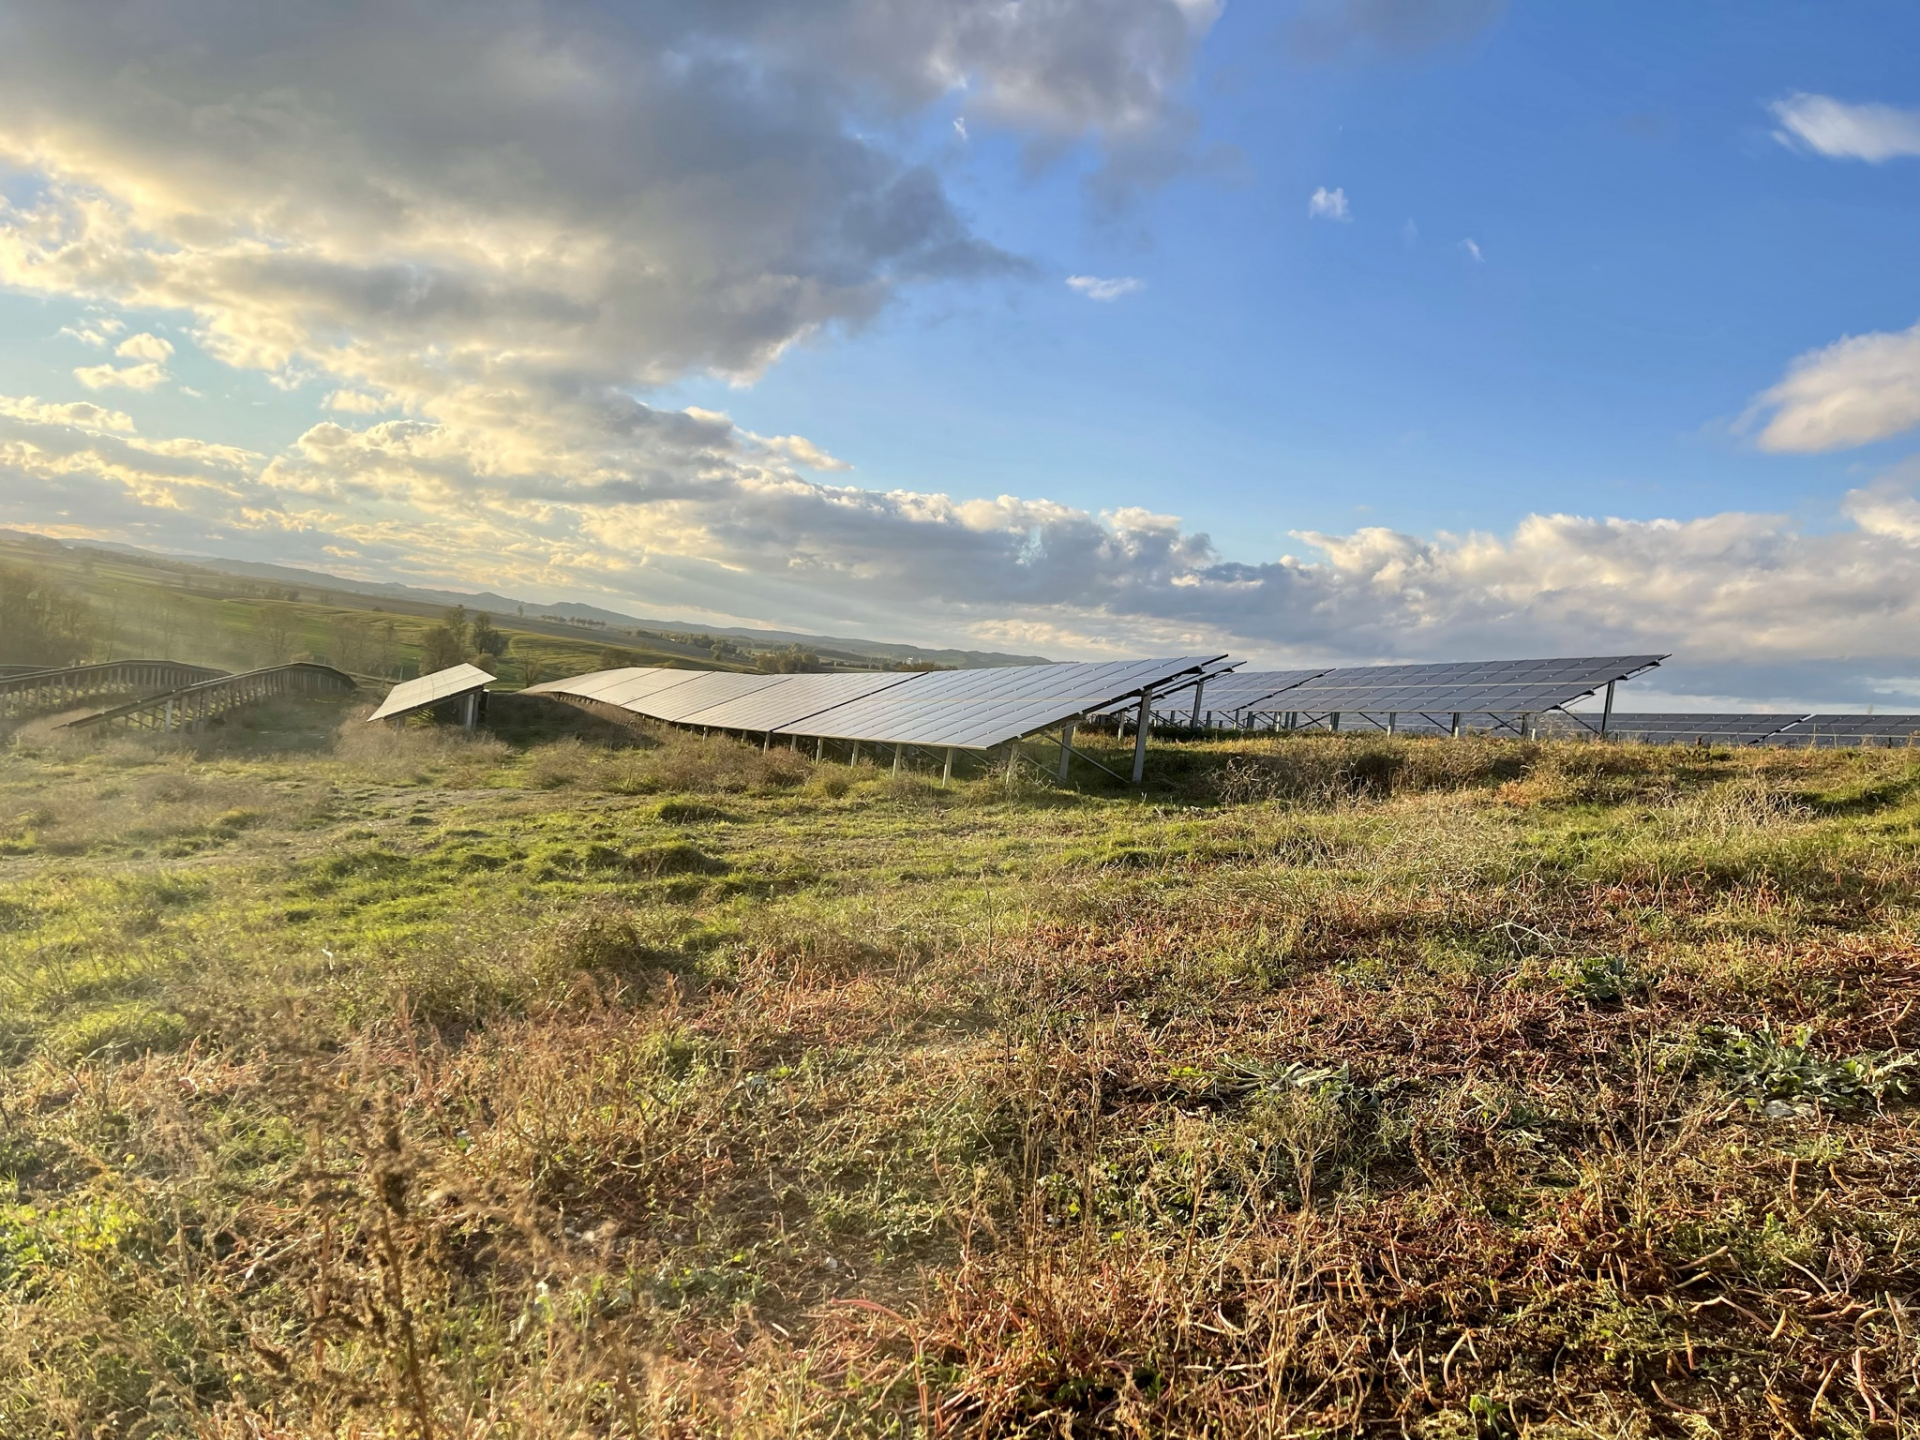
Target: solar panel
<point x="978" y="709"/>
<point x="431" y="689"/>
<point x="787" y="706"/>
<point x="617" y="687"/>
<point x="705" y="689"/>
<point x="1242" y="689"/>
<point x="1676" y="729"/>
<point x="1849" y="730"/>
<point x="1484" y="687"/>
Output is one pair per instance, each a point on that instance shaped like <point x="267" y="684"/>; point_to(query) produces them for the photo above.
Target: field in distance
<point x="579" y="1080"/>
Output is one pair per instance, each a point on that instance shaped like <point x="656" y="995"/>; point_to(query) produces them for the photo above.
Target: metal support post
<point x="1066" y="749"/>
<point x="169" y="725"/>
<point x="1606" y="715"/>
<point x="946" y="773"/>
<point x="819" y="748"/>
<point x="1194" y="723"/>
<point x="470" y="712"/>
<point x="1333" y="722"/>
<point x="898" y="751"/>
<point x="1142" y="724"/>
<point x="856" y="754"/>
<point x="1393" y="721"/>
<point x="766" y="742"/>
<point x="1526" y="727"/>
<point x="1455" y="731"/>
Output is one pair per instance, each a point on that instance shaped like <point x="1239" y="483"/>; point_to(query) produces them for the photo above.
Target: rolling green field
<point x="573" y="1080"/>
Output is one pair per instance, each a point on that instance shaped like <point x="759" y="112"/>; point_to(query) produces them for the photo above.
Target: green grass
<point x="575" y="1079"/>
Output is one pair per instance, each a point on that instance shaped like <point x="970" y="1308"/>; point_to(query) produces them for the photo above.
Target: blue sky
<point x="1320" y="331"/>
<point x="1651" y="256"/>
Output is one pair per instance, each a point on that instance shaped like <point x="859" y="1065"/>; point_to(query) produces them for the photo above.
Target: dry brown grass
<point x="1424" y="1090"/>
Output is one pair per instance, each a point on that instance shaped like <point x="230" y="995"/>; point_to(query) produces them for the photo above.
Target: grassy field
<point x="573" y="1081"/>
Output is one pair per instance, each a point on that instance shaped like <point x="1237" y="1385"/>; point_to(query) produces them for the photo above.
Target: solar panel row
<point x="1767" y="729"/>
<point x="1252" y="699"/>
<point x="964" y="709"/>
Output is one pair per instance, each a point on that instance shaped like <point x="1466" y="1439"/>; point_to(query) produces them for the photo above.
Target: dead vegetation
<point x="1339" y="1087"/>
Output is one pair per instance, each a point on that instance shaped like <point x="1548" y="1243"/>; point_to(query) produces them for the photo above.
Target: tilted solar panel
<point x="978" y="709"/>
<point x="1318" y="698"/>
<point x="620" y="687"/>
<point x="431" y="690"/>
<point x="786" y="707"/>
<point x="1683" y="729"/>
<point x="1844" y="731"/>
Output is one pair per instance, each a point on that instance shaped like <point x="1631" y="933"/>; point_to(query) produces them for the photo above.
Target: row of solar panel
<point x="1806" y="731"/>
<point x="962" y="709"/>
<point x="1256" y="699"/>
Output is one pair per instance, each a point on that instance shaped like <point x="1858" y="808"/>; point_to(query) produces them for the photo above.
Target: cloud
<point x="1847" y="132"/>
<point x="78" y="414"/>
<point x="127" y="377"/>
<point x="686" y="513"/>
<point x="355" y="402"/>
<point x="1472" y="248"/>
<point x="1855" y="391"/>
<point x="1095" y="288"/>
<point x="1325" y="204"/>
<point x="145" y="347"/>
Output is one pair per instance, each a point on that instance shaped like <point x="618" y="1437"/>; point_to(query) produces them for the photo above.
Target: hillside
<point x="331" y="596"/>
<point x="579" y="1081"/>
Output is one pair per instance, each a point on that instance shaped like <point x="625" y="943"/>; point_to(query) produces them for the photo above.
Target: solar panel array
<point x="1420" y="694"/>
<point x="1697" y="729"/>
<point x="964" y="709"/>
<point x="1774" y="728"/>
<point x="431" y="689"/>
<point x="1849" y="730"/>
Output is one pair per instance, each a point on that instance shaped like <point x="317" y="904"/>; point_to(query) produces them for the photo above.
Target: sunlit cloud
<point x="1325" y="204"/>
<point x="1830" y="127"/>
<point x="1096" y="288"/>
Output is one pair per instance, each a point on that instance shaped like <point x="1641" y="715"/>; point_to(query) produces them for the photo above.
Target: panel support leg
<point x="1606" y="715"/>
<point x="1066" y="749"/>
<point x="1393" y="721"/>
<point x="1455" y="732"/>
<point x="946" y="773"/>
<point x="1198" y="691"/>
<point x="856" y="754"/>
<point x="819" y="748"/>
<point x="470" y="711"/>
<point x="898" y="751"/>
<point x="1142" y="723"/>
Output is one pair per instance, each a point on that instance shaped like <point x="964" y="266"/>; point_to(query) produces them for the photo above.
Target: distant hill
<point x="507" y="605"/>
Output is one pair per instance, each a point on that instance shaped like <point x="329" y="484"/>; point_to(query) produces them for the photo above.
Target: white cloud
<point x="1847" y="132"/>
<point x="148" y="376"/>
<point x="1325" y="204"/>
<point x="1096" y="288"/>
<point x="356" y="402"/>
<point x="145" y="347"/>
<point x="1472" y="247"/>
<point x="960" y="126"/>
<point x="1855" y="391"/>
<point x="79" y="414"/>
<point x="674" y="511"/>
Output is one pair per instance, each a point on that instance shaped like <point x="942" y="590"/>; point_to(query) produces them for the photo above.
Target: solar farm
<point x="1152" y="1047"/>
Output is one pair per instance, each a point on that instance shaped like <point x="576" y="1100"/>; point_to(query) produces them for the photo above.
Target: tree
<point x="484" y="640"/>
<point x="791" y="661"/>
<point x="441" y="648"/>
<point x="42" y="623"/>
<point x="277" y="625"/>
